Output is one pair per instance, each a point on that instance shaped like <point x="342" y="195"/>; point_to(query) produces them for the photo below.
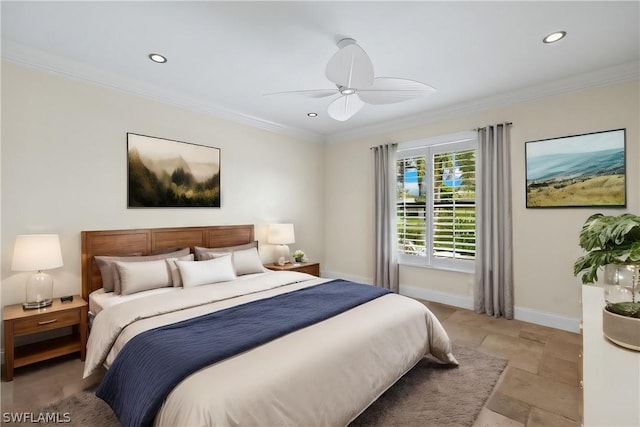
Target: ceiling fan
<point x="351" y="70"/>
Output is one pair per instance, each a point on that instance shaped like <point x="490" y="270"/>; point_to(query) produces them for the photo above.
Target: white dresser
<point x="611" y="374"/>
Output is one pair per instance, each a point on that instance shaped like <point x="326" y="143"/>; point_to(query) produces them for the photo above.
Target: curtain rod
<point x="475" y="130"/>
<point x="505" y="124"/>
<point x="376" y="146"/>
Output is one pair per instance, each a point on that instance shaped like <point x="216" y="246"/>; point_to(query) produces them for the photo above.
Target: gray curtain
<point x="386" y="262"/>
<point x="494" y="272"/>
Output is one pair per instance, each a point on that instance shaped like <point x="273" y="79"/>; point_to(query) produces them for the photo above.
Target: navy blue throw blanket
<point x="152" y="363"/>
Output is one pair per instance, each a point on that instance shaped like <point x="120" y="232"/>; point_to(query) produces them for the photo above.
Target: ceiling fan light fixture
<point x="345" y="42"/>
<point x="351" y="71"/>
<point x="554" y="37"/>
<point x="156" y="57"/>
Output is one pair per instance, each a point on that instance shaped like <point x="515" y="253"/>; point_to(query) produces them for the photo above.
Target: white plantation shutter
<point x="454" y="205"/>
<point x="436" y="203"/>
<point x="412" y="213"/>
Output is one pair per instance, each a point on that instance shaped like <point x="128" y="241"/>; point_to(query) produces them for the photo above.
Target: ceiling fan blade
<point x="350" y="67"/>
<point x="389" y="90"/>
<point x="343" y="108"/>
<point x="313" y="93"/>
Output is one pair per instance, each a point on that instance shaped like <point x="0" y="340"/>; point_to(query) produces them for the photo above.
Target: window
<point x="436" y="209"/>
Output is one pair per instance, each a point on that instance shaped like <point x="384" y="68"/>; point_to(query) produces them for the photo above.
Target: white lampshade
<point x="37" y="252"/>
<point x="281" y="235"/>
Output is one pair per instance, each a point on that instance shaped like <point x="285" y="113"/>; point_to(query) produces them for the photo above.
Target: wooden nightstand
<point x="19" y="322"/>
<point x="303" y="267"/>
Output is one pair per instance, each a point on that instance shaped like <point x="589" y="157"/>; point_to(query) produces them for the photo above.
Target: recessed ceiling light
<point x="312" y="114"/>
<point x="156" y="57"/>
<point x="554" y="37"/>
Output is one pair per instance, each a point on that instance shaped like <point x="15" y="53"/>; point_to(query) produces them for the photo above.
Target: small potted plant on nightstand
<point x="613" y="243"/>
<point x="298" y="256"/>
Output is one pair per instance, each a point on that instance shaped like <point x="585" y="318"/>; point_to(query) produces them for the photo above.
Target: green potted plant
<point x="613" y="243"/>
<point x="298" y="256"/>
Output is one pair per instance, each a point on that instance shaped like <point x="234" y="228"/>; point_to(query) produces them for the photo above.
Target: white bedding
<point x="325" y="374"/>
<point x="100" y="299"/>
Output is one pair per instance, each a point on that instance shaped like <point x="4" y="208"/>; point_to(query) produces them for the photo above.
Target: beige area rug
<point x="429" y="395"/>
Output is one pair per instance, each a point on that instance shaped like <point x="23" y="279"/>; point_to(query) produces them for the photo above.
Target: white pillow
<point x="108" y="270"/>
<point x="200" y="251"/>
<point x="174" y="273"/>
<point x="205" y="272"/>
<point x="142" y="276"/>
<point x="211" y="255"/>
<point x="247" y="261"/>
<point x="110" y="277"/>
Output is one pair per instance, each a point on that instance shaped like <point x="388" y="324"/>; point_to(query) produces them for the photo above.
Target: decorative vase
<point x="622" y="330"/>
<point x="298" y="259"/>
<point x="622" y="294"/>
<point x="620" y="283"/>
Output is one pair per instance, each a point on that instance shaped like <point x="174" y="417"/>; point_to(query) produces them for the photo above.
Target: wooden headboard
<point x="152" y="240"/>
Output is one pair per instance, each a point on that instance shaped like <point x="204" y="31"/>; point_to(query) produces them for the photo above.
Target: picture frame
<point x="163" y="173"/>
<point x="586" y="170"/>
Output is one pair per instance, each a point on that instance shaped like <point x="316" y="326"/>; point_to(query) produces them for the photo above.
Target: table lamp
<point x="37" y="252"/>
<point x="281" y="235"/>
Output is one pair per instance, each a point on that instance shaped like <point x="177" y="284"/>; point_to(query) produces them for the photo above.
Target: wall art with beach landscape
<point x="577" y="171"/>
<point x="167" y="174"/>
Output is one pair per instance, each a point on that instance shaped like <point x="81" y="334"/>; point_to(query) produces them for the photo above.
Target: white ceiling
<point x="224" y="56"/>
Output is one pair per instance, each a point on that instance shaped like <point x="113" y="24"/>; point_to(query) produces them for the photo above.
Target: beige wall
<point x="64" y="170"/>
<point x="544" y="240"/>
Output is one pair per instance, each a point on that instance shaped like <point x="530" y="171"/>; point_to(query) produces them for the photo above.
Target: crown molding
<point x="594" y="79"/>
<point x="71" y="69"/>
<point x="53" y="64"/>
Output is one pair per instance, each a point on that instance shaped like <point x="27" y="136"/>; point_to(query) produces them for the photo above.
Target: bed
<point x="323" y="373"/>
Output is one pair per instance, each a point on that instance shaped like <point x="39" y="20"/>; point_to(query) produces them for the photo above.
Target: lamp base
<point x="39" y="291"/>
<point x="283" y="251"/>
<point x="36" y="304"/>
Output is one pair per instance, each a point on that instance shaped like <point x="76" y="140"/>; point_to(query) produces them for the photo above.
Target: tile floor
<point x="538" y="388"/>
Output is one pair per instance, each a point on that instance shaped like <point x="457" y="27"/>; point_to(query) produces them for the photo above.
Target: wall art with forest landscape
<point x="585" y="170"/>
<point x="167" y="173"/>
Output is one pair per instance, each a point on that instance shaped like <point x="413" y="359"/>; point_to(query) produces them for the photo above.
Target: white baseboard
<point x="334" y="275"/>
<point x="551" y="320"/>
<point x="437" y="296"/>
<point x="520" y="313"/>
